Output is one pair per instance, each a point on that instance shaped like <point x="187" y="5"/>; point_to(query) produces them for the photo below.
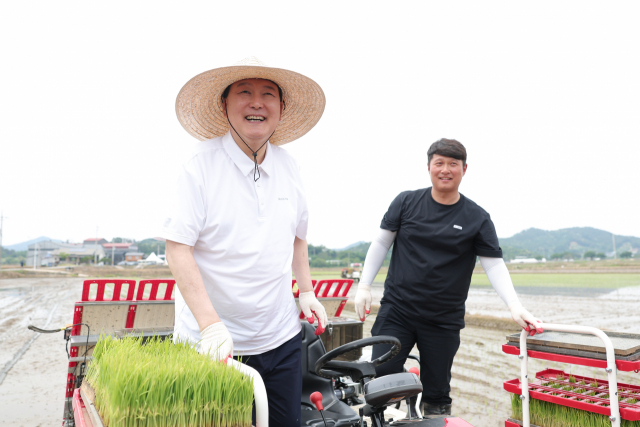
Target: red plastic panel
<point x="623" y="365"/>
<point x="77" y="319"/>
<point x="71" y="383"/>
<point x="541" y="388"/>
<point x="508" y="423"/>
<point x="101" y="284"/>
<point x="153" y="296"/>
<point x="297" y="294"/>
<point x="339" y="310"/>
<point x="73" y="352"/>
<point x="78" y="406"/>
<point x="131" y="316"/>
<point x="333" y="288"/>
<point x="456" y="422"/>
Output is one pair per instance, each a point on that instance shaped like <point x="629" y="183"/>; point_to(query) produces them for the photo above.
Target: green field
<point x="567" y="280"/>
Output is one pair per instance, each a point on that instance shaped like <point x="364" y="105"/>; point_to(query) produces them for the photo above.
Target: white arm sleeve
<point x="376" y="254"/>
<point x="499" y="277"/>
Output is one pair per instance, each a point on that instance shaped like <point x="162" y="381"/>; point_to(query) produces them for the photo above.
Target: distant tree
<point x="538" y="257"/>
<point x="557" y="256"/>
<point x="147" y="246"/>
<point x="63" y="256"/>
<point x="600" y="255"/>
<point x="317" y="262"/>
<point x="12" y="257"/>
<point x="589" y="255"/>
<point x="626" y="254"/>
<point x="106" y="260"/>
<point x="116" y="240"/>
<point x="85" y="260"/>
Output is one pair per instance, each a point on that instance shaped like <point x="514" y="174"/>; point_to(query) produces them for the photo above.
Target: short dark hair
<point x="448" y="148"/>
<point x="225" y="93"/>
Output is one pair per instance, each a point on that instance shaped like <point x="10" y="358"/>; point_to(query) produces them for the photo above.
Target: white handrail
<point x="259" y="392"/>
<point x="610" y="369"/>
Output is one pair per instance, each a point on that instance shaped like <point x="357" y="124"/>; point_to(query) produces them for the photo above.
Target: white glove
<point x="310" y="306"/>
<point x="525" y="319"/>
<point x="363" y="300"/>
<point x="216" y="342"/>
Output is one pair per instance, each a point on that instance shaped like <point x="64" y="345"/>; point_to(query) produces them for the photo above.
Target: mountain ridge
<point x="23" y="246"/>
<point x="574" y="240"/>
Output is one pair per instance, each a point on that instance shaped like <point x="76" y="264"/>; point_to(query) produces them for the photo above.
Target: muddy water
<point x="480" y="366"/>
<point x="32" y="394"/>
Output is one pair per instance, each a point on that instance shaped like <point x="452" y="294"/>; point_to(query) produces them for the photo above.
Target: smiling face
<point x="446" y="173"/>
<point x="254" y="108"/>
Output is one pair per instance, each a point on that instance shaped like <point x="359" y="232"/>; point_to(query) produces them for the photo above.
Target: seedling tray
<point x="584" y="393"/>
<point x="622" y="365"/>
<point x="626" y="346"/>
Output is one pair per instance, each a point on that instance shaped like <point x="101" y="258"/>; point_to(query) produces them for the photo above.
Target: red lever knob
<point x="316" y="399"/>
<point x="415" y="370"/>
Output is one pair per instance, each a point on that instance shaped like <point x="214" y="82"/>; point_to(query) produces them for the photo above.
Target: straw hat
<point x="199" y="103"/>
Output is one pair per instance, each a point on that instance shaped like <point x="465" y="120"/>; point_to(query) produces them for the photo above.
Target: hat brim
<point x="199" y="103"/>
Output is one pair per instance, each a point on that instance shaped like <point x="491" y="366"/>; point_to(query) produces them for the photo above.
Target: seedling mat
<point x="626" y="346"/>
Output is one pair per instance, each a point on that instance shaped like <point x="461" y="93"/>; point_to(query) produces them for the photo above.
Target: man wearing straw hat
<point x="239" y="224"/>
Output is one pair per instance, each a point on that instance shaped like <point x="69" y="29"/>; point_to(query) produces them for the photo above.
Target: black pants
<point x="281" y="371"/>
<point x="438" y="346"/>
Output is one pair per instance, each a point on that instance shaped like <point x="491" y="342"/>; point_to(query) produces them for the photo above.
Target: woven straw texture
<point x="199" y="103"/>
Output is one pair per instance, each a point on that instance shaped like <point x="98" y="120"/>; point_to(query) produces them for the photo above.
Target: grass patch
<point x="567" y="280"/>
<point x="545" y="414"/>
<point x="162" y="384"/>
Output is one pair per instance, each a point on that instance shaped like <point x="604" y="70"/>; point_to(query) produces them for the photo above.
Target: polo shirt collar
<point x="242" y="161"/>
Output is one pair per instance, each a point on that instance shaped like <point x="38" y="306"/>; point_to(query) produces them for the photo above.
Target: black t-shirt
<point x="434" y="255"/>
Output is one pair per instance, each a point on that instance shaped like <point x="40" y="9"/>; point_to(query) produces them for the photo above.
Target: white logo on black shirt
<point x="458" y="227"/>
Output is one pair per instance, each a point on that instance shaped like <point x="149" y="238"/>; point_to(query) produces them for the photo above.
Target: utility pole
<point x="95" y="248"/>
<point x="113" y="250"/>
<point x="1" y="223"/>
<point x="613" y="236"/>
<point x="35" y="256"/>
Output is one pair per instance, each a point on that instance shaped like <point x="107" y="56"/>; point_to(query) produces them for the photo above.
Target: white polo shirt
<point x="242" y="232"/>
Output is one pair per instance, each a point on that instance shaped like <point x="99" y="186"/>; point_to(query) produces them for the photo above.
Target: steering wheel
<point x="327" y="367"/>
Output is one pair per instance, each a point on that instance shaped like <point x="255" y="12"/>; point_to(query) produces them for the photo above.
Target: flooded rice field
<point x="32" y="390"/>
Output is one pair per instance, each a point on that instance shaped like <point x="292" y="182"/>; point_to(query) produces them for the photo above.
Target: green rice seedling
<point x="556" y="385"/>
<point x="161" y="384"/>
<point x="632" y="400"/>
<point x="591" y="393"/>
<point x="583" y="382"/>
<point x="546" y="414"/>
<point x="572" y="379"/>
<point x="594" y="383"/>
<point x="579" y="390"/>
<point x="561" y="377"/>
<point x="567" y="388"/>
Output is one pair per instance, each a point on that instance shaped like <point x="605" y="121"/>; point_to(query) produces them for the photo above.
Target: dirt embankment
<point x="89" y="272"/>
<point x="603" y="266"/>
<point x="476" y="320"/>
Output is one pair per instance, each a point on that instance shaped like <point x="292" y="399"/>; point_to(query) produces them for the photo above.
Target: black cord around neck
<point x="255" y="153"/>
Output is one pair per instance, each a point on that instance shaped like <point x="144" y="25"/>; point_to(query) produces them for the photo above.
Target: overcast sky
<point x="544" y="95"/>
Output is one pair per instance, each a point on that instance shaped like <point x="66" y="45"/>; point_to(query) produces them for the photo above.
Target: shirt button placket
<point x="261" y="201"/>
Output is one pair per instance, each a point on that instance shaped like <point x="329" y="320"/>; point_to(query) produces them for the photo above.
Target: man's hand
<point x="525" y="319"/>
<point x="363" y="300"/>
<point x="216" y="342"/>
<point x="310" y="306"/>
